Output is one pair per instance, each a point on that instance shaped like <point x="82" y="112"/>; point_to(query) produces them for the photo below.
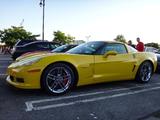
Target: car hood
<point x="26" y="55"/>
<point x="41" y="54"/>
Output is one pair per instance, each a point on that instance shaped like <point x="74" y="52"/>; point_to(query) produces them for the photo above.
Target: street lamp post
<point x="42" y="4"/>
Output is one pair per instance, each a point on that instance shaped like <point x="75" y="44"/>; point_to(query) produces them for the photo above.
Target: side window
<point x="43" y="45"/>
<point x="32" y="47"/>
<point x="119" y="48"/>
<point x="53" y="46"/>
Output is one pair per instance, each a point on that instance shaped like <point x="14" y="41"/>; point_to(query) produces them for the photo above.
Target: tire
<point x="58" y="79"/>
<point x="145" y="72"/>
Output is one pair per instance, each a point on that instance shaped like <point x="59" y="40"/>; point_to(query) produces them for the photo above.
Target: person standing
<point x="130" y="44"/>
<point x="140" y="45"/>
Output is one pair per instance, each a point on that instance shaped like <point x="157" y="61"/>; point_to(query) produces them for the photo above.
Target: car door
<point x="114" y="67"/>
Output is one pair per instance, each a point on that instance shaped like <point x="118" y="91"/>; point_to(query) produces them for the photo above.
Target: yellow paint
<point x="91" y="68"/>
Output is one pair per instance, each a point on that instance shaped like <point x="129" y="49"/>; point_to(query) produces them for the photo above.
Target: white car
<point x="151" y="49"/>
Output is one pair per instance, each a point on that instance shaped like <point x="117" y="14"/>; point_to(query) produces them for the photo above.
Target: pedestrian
<point x="140" y="45"/>
<point x="130" y="44"/>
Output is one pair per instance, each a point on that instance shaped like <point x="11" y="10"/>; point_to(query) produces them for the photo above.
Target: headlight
<point x="25" y="62"/>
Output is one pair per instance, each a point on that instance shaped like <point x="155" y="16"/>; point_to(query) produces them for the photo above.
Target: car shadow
<point x="78" y="90"/>
<point x="74" y="91"/>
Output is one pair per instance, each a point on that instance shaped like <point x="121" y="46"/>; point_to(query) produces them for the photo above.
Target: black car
<point x="32" y="47"/>
<point x="63" y="48"/>
<point x="21" y="43"/>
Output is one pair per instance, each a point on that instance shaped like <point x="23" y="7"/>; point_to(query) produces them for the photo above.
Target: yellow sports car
<point x="89" y="63"/>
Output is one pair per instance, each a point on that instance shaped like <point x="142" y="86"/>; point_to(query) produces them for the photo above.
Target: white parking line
<point x="30" y="104"/>
<point x="4" y="66"/>
<point x="3" y="74"/>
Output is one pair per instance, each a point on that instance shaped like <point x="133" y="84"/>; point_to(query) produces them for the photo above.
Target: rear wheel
<point x="144" y="72"/>
<point x="58" y="78"/>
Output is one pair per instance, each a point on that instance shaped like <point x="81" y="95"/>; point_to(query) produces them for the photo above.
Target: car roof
<point x="36" y="42"/>
<point x="23" y="42"/>
<point x="108" y="41"/>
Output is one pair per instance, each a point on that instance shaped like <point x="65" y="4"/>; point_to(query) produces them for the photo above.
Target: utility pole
<point x="42" y="4"/>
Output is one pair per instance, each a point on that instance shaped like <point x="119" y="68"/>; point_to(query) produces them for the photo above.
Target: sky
<point x="86" y="19"/>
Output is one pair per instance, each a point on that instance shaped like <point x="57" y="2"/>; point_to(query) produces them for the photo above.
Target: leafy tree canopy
<point x="11" y="35"/>
<point x="155" y="45"/>
<point x="62" y="37"/>
<point x="120" y="38"/>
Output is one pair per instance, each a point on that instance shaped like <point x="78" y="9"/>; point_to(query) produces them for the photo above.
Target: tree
<point x="11" y="35"/>
<point x="120" y="38"/>
<point x="155" y="45"/>
<point x="62" y="38"/>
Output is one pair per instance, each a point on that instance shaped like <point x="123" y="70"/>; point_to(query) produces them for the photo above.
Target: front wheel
<point x="58" y="78"/>
<point x="145" y="72"/>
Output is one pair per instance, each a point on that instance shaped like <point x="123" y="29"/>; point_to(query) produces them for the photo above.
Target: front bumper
<point x="23" y="78"/>
<point x="17" y="84"/>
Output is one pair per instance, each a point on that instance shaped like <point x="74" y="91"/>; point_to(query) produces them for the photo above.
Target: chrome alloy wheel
<point x="58" y="79"/>
<point x="146" y="71"/>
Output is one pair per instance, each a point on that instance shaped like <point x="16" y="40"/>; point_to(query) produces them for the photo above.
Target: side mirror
<point x="110" y="53"/>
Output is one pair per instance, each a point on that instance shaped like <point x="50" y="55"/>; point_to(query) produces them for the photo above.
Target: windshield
<point x="59" y="49"/>
<point x="86" y="48"/>
<point x="63" y="48"/>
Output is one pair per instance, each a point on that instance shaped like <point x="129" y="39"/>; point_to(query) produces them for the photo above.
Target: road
<point x="126" y="100"/>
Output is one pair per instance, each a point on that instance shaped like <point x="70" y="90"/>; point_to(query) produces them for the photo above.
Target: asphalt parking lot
<point x="127" y="100"/>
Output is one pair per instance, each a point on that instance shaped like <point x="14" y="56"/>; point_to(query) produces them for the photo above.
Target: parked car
<point x="32" y="47"/>
<point x="59" y="49"/>
<point x="151" y="49"/>
<point x="89" y="63"/>
<point x="157" y="52"/>
<point x="21" y="43"/>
